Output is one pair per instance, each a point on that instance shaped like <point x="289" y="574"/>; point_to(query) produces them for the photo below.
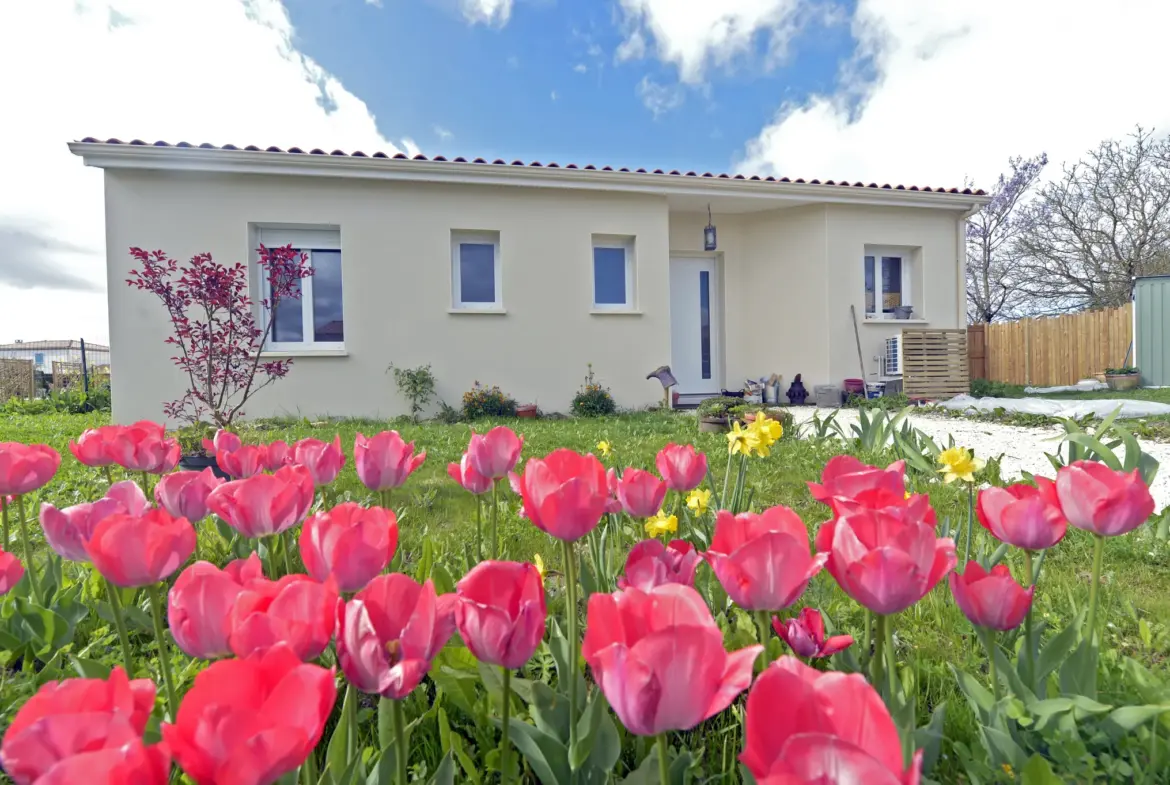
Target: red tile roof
<point x="538" y="164"/>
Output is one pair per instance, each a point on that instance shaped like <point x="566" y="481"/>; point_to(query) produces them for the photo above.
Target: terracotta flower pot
<point x="1126" y="381"/>
<point x="527" y="411"/>
<point x="713" y="424"/>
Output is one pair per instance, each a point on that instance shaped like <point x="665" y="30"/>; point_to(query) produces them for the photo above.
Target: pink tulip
<point x="1022" y="515"/>
<point x="991" y="599"/>
<point x="641" y="493"/>
<point x="887" y="563"/>
<point x="278" y="454"/>
<point x="200" y="604"/>
<point x="915" y="509"/>
<point x="92" y="447"/>
<point x="805" y="635"/>
<point x="681" y="466"/>
<point x="495" y="453"/>
<point x="1099" y="500"/>
<point x="658" y="657"/>
<point x="295" y="610"/>
<point x="651" y="564"/>
<point x="845" y="478"/>
<point x="11" y="571"/>
<point x="133" y="550"/>
<point x="224" y="441"/>
<point x="466" y="475"/>
<point x="243" y="462"/>
<point x="501" y="612"/>
<point x="763" y="561"/>
<point x="390" y="631"/>
<point x="68" y="531"/>
<point x="266" y="503"/>
<point x="185" y="493"/>
<point x="805" y="726"/>
<point x="129" y="496"/>
<point x="144" y="447"/>
<point x="350" y="543"/>
<point x="565" y="493"/>
<point x="323" y="459"/>
<point x="26" y="467"/>
<point x="384" y="461"/>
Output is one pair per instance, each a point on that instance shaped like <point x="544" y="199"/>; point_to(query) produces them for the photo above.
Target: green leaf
<point x="587" y="730"/>
<point x="90" y="669"/>
<point x="547" y="756"/>
<point x="1128" y="718"/>
<point x="550" y="710"/>
<point x="1037" y="772"/>
<point x="445" y="773"/>
<point x="1002" y="748"/>
<point x="608" y="745"/>
<point x="929" y="737"/>
<point x="337" y="759"/>
<point x="442" y="580"/>
<point x="1096" y="449"/>
<point x="977" y="695"/>
<point x="1007" y="673"/>
<point x="1055" y="653"/>
<point x="1078" y="675"/>
<point x="422" y="572"/>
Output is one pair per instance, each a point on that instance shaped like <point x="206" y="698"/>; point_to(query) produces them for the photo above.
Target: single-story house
<point x="520" y="274"/>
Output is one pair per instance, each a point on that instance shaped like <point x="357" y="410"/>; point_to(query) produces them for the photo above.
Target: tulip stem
<point x="4" y="519"/>
<point x="495" y="520"/>
<point x="109" y="476"/>
<point x="1029" y="650"/>
<point x="505" y="749"/>
<point x="989" y="641"/>
<point x="478" y="529"/>
<point x="868" y="633"/>
<point x="157" y="595"/>
<point x="663" y="760"/>
<point x="877" y="671"/>
<point x="726" y="477"/>
<point x="891" y="670"/>
<point x="33" y="583"/>
<point x="120" y="626"/>
<point x="286" y="542"/>
<point x="1098" y="552"/>
<point x="970" y="518"/>
<point x="765" y="628"/>
<point x="400" y="752"/>
<point x="146" y="484"/>
<point x="570" y="552"/>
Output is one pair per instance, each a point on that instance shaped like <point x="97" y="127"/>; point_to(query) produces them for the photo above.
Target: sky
<point x="930" y="92"/>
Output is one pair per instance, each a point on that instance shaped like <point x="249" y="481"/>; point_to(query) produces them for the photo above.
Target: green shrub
<point x="718" y="406"/>
<point x="986" y="388"/>
<point x="482" y="401"/>
<point x="1125" y="370"/>
<point x="416" y="385"/>
<point x="593" y="400"/>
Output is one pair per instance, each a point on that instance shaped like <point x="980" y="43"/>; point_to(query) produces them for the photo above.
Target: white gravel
<point x="1023" y="448"/>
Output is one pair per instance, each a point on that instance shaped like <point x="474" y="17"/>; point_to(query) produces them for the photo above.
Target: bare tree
<point x="1105" y="221"/>
<point x="993" y="278"/>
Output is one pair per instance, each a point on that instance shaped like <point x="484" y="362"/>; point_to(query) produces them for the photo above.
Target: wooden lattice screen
<point x="67" y="375"/>
<point x="934" y="363"/>
<point x="17" y="379"/>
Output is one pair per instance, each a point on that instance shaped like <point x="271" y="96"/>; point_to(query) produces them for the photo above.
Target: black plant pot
<point x="197" y="463"/>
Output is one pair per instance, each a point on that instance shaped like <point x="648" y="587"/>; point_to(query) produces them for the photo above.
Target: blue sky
<point x="492" y="88"/>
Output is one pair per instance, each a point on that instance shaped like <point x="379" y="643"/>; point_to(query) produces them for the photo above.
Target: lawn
<point x="437" y="522"/>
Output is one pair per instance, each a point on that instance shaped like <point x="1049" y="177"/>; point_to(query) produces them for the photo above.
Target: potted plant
<point x="1124" y="378"/>
<point x="216" y="341"/>
<point x="903" y="311"/>
<point x="715" y="414"/>
<point x="196" y="457"/>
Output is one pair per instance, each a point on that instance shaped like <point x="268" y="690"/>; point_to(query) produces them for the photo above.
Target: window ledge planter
<point x="1128" y="380"/>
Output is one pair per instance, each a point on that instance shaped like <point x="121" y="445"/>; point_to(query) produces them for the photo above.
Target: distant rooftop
<point x="54" y="345"/>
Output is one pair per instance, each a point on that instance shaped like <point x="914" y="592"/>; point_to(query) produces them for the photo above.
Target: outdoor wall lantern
<point x="709" y="233"/>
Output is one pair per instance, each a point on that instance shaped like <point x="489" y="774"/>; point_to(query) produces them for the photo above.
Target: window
<point x="887" y="281"/>
<point x="613" y="273"/>
<point x="475" y="271"/>
<point x="316" y="320"/>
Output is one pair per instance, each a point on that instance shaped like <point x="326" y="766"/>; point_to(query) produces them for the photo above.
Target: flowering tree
<point x="214" y="326"/>
<point x="993" y="283"/>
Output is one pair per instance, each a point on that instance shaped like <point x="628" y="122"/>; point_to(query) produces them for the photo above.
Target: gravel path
<point x="1023" y="448"/>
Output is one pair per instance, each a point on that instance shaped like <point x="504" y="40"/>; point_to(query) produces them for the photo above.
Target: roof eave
<point x="193" y="159"/>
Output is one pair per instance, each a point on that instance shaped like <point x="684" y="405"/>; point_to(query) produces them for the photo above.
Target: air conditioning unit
<point x="892" y="364"/>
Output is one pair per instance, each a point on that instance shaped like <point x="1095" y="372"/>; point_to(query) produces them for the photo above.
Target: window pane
<point x="705" y="322"/>
<point x="287" y="319"/>
<point x="609" y="276"/>
<point x="328" y="326"/>
<point x="477" y="273"/>
<point x="891" y="283"/>
<point x="869" y="285"/>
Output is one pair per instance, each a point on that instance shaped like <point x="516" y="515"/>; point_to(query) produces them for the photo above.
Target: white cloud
<point x="953" y="89"/>
<point x="580" y="68"/>
<point x="375" y="3"/>
<point x="214" y="71"/>
<point x="658" y="98"/>
<point x="493" y="13"/>
<point x="695" y="35"/>
<point x="553" y="95"/>
<point x="443" y="134"/>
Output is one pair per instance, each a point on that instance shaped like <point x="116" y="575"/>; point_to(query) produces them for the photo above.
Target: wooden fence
<point x="1057" y="350"/>
<point x="68" y="375"/>
<point x="934" y="363"/>
<point x="17" y="379"/>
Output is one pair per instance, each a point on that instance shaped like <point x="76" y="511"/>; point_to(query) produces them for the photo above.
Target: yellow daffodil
<point x="661" y="524"/>
<point x="605" y="448"/>
<point x="739" y="440"/>
<point x="697" y="501"/>
<point x="758" y="446"/>
<point x="959" y="464"/>
<point x="769" y="430"/>
<point x="539" y="564"/>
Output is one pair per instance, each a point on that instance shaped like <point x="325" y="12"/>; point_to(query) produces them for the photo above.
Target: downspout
<point x="961" y="263"/>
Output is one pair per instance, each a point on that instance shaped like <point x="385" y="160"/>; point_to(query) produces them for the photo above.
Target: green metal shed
<point x="1151" y="329"/>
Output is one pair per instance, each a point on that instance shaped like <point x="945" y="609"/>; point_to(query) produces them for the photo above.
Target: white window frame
<point x="626" y="244"/>
<point x="313" y="240"/>
<point x="906" y="254"/>
<point x="459" y="237"/>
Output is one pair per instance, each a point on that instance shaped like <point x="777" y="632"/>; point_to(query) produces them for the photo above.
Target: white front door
<point x="694" y="331"/>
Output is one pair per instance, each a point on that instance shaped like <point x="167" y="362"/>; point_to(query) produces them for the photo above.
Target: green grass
<point x="930" y="638"/>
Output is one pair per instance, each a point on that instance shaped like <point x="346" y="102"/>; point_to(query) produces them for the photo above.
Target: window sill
<point x="275" y="353"/>
<point x="897" y="321"/>
<point x="479" y="311"/>
<point x="615" y="312"/>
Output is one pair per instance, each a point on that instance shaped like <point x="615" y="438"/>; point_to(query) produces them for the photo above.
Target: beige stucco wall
<point x="396" y="268"/>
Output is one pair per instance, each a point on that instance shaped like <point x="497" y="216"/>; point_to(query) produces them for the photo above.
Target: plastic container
<point x="875" y="389"/>
<point x="854" y="386"/>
